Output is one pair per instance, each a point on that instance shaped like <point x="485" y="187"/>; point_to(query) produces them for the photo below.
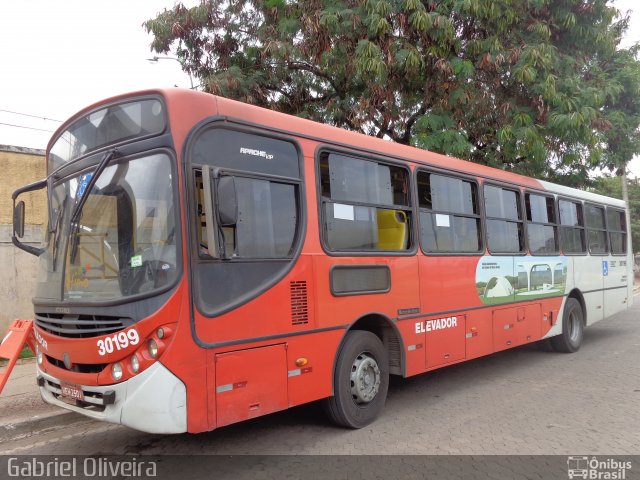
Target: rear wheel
<point x="360" y="381"/>
<point x="570" y="339"/>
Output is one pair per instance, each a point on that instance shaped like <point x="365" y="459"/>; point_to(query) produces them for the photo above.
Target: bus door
<point x="590" y="271"/>
<point x="616" y="269"/>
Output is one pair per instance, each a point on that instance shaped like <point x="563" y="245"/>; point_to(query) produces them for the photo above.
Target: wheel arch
<point x="387" y="331"/>
<point x="577" y="294"/>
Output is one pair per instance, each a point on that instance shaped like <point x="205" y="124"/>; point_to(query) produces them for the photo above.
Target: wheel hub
<point x="574" y="328"/>
<point x="365" y="379"/>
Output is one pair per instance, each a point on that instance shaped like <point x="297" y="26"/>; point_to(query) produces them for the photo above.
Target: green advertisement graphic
<point x="509" y="279"/>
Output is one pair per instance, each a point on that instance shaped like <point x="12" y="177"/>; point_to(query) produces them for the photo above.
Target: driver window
<point x="267" y="219"/>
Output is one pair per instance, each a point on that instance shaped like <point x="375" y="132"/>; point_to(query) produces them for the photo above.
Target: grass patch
<point x="26" y="353"/>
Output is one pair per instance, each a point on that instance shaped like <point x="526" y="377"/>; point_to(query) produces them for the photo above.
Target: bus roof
<point x="338" y="136"/>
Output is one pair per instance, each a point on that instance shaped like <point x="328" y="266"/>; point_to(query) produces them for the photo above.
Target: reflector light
<point x="152" y="346"/>
<point x="116" y="371"/>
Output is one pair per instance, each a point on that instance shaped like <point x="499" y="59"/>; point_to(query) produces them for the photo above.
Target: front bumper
<point x="153" y="401"/>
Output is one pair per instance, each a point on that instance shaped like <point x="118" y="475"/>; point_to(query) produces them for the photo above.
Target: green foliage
<point x="612" y="187"/>
<point x="26" y="353"/>
<point x="537" y="87"/>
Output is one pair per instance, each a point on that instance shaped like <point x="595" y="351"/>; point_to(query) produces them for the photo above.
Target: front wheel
<point x="570" y="339"/>
<point x="360" y="381"/>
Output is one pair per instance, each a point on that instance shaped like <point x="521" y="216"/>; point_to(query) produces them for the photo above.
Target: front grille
<point x="78" y="367"/>
<point x="80" y="326"/>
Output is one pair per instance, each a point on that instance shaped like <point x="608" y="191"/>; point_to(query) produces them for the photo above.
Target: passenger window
<point x="449" y="214"/>
<point x="572" y="233"/>
<point x="596" y="231"/>
<point x="504" y="220"/>
<point x="365" y="204"/>
<point x="542" y="231"/>
<point x="502" y="203"/>
<point x="617" y="226"/>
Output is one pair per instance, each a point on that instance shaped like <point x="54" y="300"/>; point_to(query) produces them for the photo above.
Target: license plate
<point x="71" y="391"/>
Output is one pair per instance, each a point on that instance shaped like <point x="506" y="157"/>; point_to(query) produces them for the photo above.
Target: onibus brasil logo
<point x="594" y="468"/>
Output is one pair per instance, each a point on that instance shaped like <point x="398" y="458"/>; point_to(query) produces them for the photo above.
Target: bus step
<point x="12" y="344"/>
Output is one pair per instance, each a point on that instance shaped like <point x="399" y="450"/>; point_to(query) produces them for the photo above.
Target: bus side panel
<point x="283" y="308"/>
<point x="344" y="309"/>
<point x="448" y="283"/>
<point x="588" y="275"/>
<point x="479" y="333"/>
<point x="615" y="284"/>
<point x="250" y="383"/>
<point x="413" y="339"/>
<point x="446" y="344"/>
<point x="513" y="326"/>
<point x="310" y="361"/>
<point x="403" y="295"/>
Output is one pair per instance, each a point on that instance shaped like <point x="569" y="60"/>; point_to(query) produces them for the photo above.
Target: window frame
<point x="587" y="228"/>
<point x="556" y="214"/>
<point x="480" y="215"/>
<point x="413" y="240"/>
<point x="514" y="188"/>
<point x="624" y="232"/>
<point x="198" y="265"/>
<point x="296" y="183"/>
<point x="190" y="168"/>
<point x="579" y="202"/>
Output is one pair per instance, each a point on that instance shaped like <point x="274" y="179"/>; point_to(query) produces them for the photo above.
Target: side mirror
<point x="227" y="202"/>
<point x="18" y="219"/>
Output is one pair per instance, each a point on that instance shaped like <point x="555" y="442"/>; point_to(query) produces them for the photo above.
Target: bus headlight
<point x="160" y="333"/>
<point x="135" y="364"/>
<point x="116" y="371"/>
<point x="38" y="356"/>
<point x="152" y="347"/>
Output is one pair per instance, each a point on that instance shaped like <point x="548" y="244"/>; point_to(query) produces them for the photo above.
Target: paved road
<point x="523" y="401"/>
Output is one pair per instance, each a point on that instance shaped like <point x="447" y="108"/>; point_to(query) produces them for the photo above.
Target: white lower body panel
<point x="153" y="401"/>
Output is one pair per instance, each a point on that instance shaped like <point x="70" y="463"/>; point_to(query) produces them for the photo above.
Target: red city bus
<point x="207" y="261"/>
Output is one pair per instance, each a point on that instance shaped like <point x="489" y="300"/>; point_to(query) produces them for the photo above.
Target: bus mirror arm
<point x="18" y="217"/>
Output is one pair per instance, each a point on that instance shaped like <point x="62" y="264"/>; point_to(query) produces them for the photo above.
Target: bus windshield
<point x="107" y="126"/>
<point x="124" y="241"/>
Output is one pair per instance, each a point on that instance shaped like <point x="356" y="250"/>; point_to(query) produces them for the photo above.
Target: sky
<point x="59" y="57"/>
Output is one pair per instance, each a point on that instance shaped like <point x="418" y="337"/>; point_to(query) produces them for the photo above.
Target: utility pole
<point x="625" y="197"/>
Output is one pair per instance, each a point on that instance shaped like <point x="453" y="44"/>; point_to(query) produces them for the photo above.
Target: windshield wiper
<point x="77" y="209"/>
<point x="56" y="232"/>
<point x="110" y="155"/>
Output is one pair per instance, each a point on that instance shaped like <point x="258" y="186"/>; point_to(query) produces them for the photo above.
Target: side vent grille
<point x="299" y="308"/>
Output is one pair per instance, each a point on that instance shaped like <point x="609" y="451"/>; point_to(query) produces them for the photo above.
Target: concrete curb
<point x="40" y="424"/>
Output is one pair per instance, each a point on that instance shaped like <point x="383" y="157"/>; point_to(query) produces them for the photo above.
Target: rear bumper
<point x="154" y="401"/>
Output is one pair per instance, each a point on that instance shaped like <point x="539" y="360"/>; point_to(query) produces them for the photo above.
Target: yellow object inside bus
<point x="392" y="229"/>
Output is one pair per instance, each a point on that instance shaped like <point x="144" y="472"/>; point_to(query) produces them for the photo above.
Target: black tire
<point x="363" y="354"/>
<point x="570" y="339"/>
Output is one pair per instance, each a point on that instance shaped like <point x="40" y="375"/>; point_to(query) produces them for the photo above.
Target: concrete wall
<point x="18" y="269"/>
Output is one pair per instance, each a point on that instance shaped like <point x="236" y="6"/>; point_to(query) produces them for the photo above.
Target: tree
<point x="537" y="86"/>
<point x="612" y="187"/>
